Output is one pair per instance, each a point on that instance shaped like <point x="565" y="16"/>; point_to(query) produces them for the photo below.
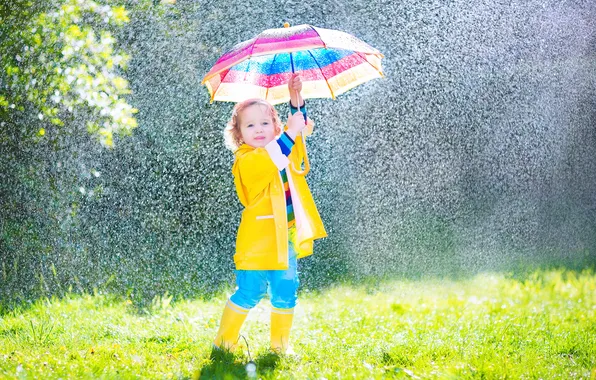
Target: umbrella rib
<point x="373" y="66"/>
<point x="318" y="34"/>
<point x="323" y="74"/>
<point x="219" y="85"/>
<point x="252" y="48"/>
<point x="246" y="71"/>
<point x="269" y="77"/>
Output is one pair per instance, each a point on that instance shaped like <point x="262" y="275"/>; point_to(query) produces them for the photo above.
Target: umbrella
<point x="330" y="62"/>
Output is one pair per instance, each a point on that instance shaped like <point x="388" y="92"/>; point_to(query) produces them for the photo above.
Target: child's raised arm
<point x="295" y="88"/>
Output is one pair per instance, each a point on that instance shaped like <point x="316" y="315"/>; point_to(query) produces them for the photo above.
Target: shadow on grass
<point x="266" y="363"/>
<point x="225" y="365"/>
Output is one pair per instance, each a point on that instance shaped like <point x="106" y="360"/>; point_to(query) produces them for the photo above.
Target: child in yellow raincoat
<point x="280" y="220"/>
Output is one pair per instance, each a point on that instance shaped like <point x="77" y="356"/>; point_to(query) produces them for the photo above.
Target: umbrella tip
<point x="286" y="24"/>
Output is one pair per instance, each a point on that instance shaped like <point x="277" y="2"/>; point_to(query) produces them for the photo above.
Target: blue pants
<point x="282" y="285"/>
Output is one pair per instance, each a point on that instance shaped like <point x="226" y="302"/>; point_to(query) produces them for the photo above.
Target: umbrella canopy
<point x="329" y="62"/>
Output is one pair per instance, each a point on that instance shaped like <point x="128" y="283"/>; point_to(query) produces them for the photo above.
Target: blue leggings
<point x="252" y="285"/>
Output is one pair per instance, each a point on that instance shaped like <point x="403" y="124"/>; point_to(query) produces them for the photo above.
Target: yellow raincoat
<point x="262" y="240"/>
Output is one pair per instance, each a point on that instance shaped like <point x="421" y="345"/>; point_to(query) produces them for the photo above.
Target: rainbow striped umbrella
<point x="329" y="62"/>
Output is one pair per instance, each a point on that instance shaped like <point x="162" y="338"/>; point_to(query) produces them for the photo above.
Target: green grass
<point x="491" y="326"/>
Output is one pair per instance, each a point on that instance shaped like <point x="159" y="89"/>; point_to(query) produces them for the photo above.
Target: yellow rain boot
<point x="281" y="323"/>
<point x="229" y="328"/>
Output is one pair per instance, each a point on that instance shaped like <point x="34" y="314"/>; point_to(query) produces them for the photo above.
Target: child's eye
<point x="266" y="123"/>
<point x="248" y="126"/>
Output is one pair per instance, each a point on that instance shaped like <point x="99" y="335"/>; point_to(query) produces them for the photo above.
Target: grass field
<point x="541" y="325"/>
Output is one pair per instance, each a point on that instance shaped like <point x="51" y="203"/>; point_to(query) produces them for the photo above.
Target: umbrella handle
<point x="304" y="172"/>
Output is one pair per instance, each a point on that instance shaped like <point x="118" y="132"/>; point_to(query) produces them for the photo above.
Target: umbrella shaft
<point x="306" y="163"/>
<point x="298" y="100"/>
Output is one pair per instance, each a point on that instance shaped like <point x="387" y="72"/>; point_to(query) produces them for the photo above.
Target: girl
<point x="280" y="220"/>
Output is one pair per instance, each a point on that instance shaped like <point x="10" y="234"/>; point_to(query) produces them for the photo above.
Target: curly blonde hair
<point x="232" y="134"/>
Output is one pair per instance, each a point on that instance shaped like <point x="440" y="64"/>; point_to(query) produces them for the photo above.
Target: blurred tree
<point x="59" y="58"/>
<point x="60" y="82"/>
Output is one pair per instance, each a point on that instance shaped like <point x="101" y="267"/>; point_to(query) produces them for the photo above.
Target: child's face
<point x="256" y="126"/>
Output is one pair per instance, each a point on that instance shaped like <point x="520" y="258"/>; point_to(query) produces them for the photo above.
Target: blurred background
<point x="476" y="152"/>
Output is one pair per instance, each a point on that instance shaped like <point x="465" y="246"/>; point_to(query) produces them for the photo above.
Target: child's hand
<point x="307" y="131"/>
<point x="295" y="124"/>
<point x="295" y="84"/>
<point x="295" y="87"/>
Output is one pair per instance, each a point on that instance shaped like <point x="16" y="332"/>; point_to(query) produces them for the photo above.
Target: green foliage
<point x="67" y="204"/>
<point x="491" y="326"/>
<point x="62" y="59"/>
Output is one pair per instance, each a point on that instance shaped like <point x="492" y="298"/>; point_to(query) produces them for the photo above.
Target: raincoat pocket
<point x="257" y="237"/>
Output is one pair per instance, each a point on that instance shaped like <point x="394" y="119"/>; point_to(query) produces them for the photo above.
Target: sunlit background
<point x="476" y="152"/>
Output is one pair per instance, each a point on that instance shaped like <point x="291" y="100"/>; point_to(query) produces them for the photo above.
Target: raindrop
<point x="251" y="370"/>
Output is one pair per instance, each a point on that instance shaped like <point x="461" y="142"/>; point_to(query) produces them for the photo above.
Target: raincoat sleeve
<point x="310" y="124"/>
<point x="253" y="172"/>
<point x="256" y="169"/>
